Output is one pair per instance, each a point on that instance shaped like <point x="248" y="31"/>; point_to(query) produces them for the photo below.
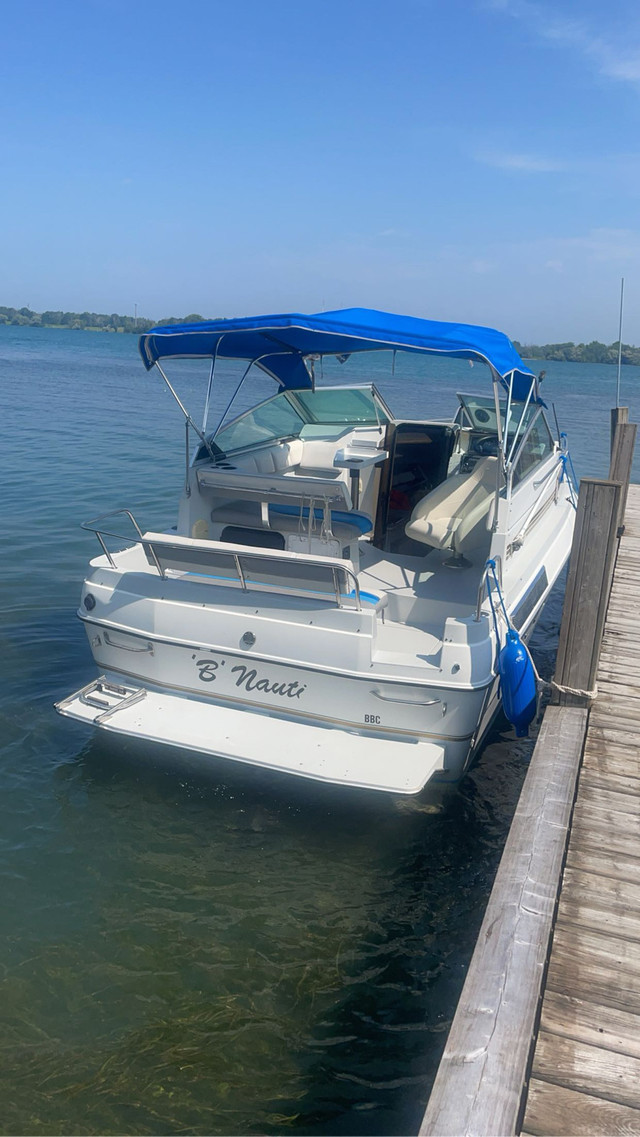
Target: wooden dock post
<point x="587" y="593"/>
<point x="624" y="444"/>
<point x="619" y="415"/>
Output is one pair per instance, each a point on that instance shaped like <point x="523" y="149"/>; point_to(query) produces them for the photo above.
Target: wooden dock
<point x="546" y="1036"/>
<point x="585" y="1075"/>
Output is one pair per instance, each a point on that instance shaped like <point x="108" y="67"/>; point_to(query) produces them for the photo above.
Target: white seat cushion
<point x="454" y="514"/>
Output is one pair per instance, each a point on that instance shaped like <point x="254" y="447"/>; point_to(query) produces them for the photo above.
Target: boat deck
<point x="585" y="1077"/>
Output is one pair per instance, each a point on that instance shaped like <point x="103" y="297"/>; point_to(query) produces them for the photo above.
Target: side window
<point x="538" y="446"/>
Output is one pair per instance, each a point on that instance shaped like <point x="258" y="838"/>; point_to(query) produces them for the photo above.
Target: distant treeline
<point x="594" y="352"/>
<point x="88" y="321"/>
<point x="579" y="352"/>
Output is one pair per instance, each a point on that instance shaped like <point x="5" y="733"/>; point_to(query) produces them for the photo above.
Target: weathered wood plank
<point x="593" y="860"/>
<point x="626" y="577"/>
<point x="616" y="714"/>
<point x="624" y="624"/>
<point x="619" y="653"/>
<point x="616" y="653"/>
<point x="588" y="914"/>
<point x="588" y="1069"/>
<point x="604" y="743"/>
<point x="624" y="442"/>
<point x="611" y="757"/>
<point x="595" y="978"/>
<point x="608" y="825"/>
<point x="588" y="585"/>
<point x="585" y="946"/>
<point x="597" y="779"/>
<point x="617" y="802"/>
<point x="617" y="416"/>
<point x="618" y="896"/>
<point x="618" y="749"/>
<point x="623" y="640"/>
<point x="613" y="701"/>
<point x="607" y="732"/>
<point x="620" y="685"/>
<point x="479" y="1085"/>
<point x="556" y="1110"/>
<point x="614" y="660"/>
<point x="607" y="1027"/>
<point x="591" y="825"/>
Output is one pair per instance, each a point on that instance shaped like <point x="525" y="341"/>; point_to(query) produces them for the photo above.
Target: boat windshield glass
<point x="276" y="418"/>
<point x="479" y="412"/>
<point x="285" y="414"/>
<point x="349" y="405"/>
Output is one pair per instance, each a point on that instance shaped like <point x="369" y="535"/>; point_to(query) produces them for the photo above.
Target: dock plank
<point x="592" y="1023"/>
<point x="610" y="986"/>
<point x="553" y="1109"/>
<point x="588" y="914"/>
<point x="594" y="826"/>
<point x="611" y="800"/>
<point x="597" y="779"/>
<point x="605" y="757"/>
<point x="588" y="1069"/>
<point x="607" y="732"/>
<point x="594" y="860"/>
<point x="617" y="895"/>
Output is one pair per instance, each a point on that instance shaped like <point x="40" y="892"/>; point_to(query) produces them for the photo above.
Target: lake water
<point x="227" y="952"/>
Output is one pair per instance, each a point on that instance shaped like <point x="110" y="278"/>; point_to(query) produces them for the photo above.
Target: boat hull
<point x="373" y="707"/>
<point x="320" y="752"/>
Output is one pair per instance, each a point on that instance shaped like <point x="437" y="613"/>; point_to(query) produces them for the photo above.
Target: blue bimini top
<point x="280" y="345"/>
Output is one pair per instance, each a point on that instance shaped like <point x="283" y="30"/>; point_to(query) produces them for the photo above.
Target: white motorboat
<point x="323" y="606"/>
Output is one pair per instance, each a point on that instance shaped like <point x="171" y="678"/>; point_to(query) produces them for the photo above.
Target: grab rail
<point x="90" y="526"/>
<point x="235" y="558"/>
<point x="482" y="585"/>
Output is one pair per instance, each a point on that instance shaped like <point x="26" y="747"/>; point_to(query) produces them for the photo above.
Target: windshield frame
<point x="299" y="403"/>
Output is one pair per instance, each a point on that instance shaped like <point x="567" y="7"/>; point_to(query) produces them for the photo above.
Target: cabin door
<point x="418" y="461"/>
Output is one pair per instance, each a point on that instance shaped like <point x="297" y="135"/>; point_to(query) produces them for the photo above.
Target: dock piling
<point x="624" y="444"/>
<point x="587" y="592"/>
<point x="619" y="415"/>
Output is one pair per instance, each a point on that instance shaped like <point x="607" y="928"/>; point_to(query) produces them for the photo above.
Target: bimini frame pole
<point x="500" y="465"/>
<point x="212" y="369"/>
<point x="185" y="412"/>
<point x="516" y="437"/>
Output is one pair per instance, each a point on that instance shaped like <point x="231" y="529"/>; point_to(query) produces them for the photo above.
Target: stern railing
<point x="163" y="548"/>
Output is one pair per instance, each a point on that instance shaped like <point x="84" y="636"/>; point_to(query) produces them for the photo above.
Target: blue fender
<point x="517" y="683"/>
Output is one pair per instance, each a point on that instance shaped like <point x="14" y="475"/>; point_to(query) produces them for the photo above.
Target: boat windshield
<point x="286" y="414"/>
<point x="479" y="412"/>
<point x="350" y="405"/>
<point x="275" y="418"/>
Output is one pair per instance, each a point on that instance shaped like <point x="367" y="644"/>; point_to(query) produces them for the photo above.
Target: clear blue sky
<point x="474" y="160"/>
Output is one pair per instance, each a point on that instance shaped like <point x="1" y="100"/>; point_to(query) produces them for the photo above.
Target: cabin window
<point x="537" y="446"/>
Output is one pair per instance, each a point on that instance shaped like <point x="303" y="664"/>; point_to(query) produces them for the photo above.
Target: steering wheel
<point x="488" y="447"/>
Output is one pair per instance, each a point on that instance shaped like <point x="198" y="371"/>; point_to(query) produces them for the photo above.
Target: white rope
<point x="593" y="694"/>
<point x="561" y="688"/>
